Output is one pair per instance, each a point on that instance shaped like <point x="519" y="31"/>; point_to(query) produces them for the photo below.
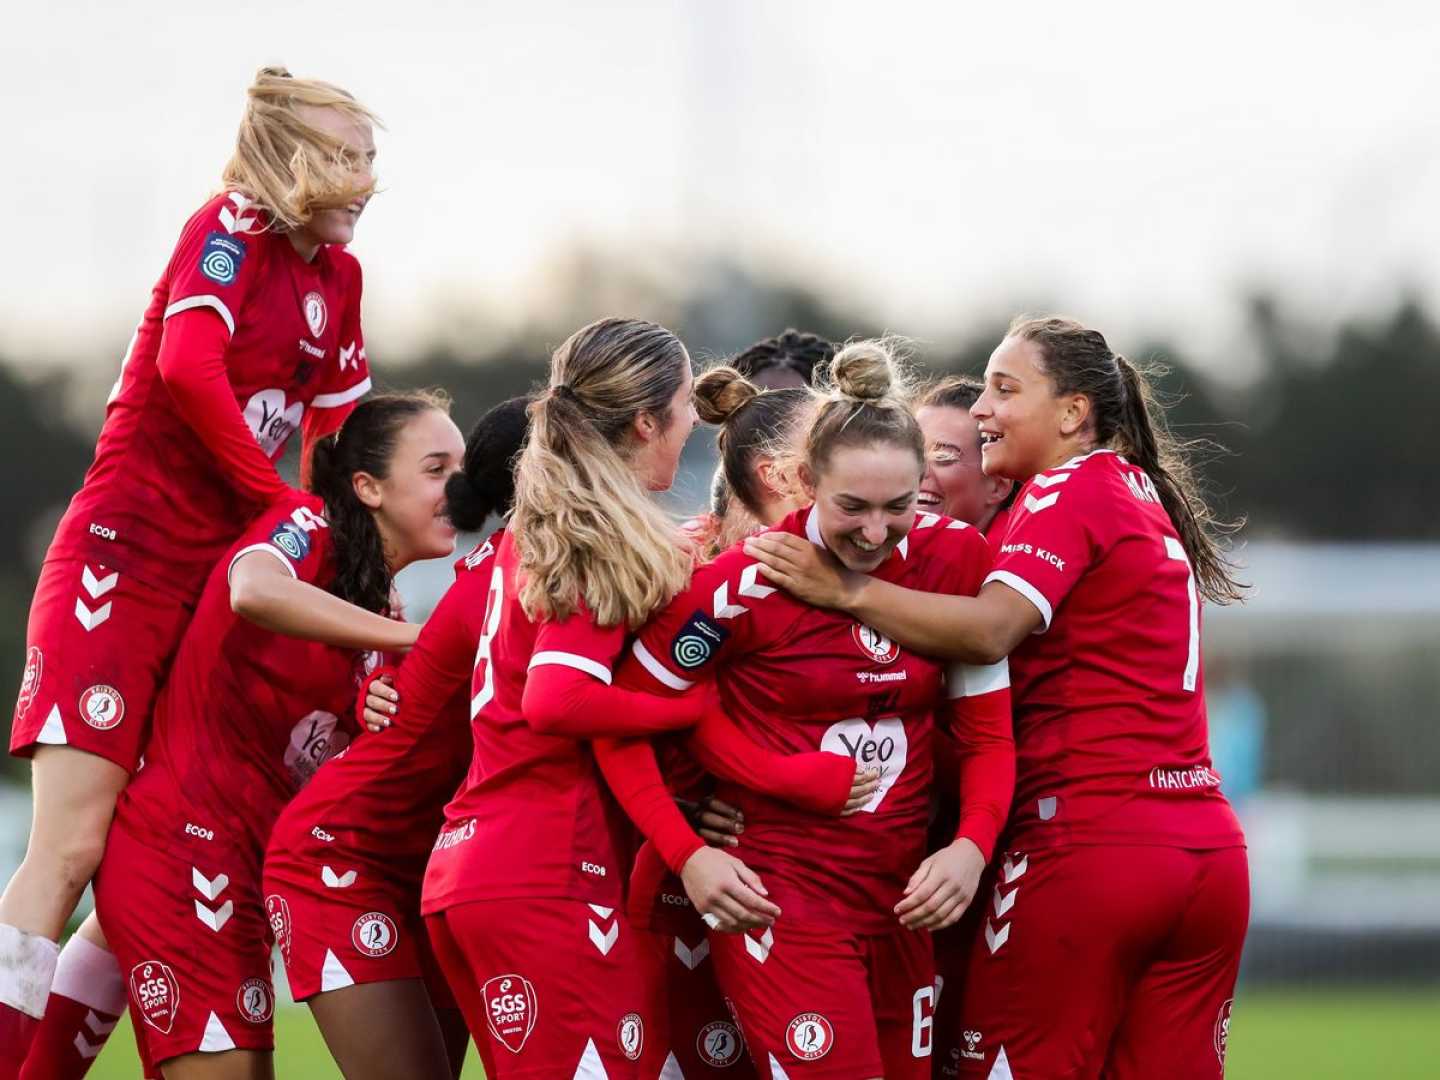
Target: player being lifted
<point x="849" y="960"/>
<point x="253" y="330"/>
<point x="1095" y="595"/>
<point x="261" y="694"/>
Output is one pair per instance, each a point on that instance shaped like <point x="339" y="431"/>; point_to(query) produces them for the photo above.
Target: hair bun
<point x="864" y="370"/>
<point x="720" y="392"/>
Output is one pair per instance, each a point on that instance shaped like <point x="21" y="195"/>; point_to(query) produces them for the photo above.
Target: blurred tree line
<point x="1329" y="439"/>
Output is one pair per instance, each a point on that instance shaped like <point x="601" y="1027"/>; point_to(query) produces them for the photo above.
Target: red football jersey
<point x="247" y="715"/>
<point x="533" y="817"/>
<point x="380" y="804"/>
<point x="1109" y="699"/>
<point x="797" y="678"/>
<point x="155" y="503"/>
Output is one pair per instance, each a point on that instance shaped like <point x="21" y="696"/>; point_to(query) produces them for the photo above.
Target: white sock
<point x="91" y="975"/>
<point x="27" y="968"/>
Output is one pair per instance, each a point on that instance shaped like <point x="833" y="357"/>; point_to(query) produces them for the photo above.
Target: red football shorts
<point x="827" y="1004"/>
<point x="98" y="647"/>
<point x="561" y="988"/>
<point x="700" y="1031"/>
<point x="353" y="932"/>
<point x="194" y="946"/>
<point x="1090" y="961"/>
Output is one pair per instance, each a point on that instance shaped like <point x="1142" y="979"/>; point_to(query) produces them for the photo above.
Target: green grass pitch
<point x="1274" y="1035"/>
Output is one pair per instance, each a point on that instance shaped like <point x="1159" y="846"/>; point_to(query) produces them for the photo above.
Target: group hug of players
<point x="893" y="764"/>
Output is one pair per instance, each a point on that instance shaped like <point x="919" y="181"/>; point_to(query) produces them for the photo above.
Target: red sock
<point x="85" y="1003"/>
<point x="27" y="966"/>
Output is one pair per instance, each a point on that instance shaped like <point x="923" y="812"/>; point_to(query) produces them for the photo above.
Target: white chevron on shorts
<point x="1003" y="903"/>
<point x="85" y="1049"/>
<point x="777" y="1071"/>
<point x="692" y="958"/>
<point x="91" y="619"/>
<point x="53" y="733"/>
<point x="996" y="940"/>
<point x="760" y="949"/>
<point x="333" y="975"/>
<point x="603" y="940"/>
<point x="590" y="1067"/>
<point x="98" y="587"/>
<point x="1001" y="1069"/>
<point x="333" y="880"/>
<point x="1013" y="870"/>
<point x="671" y="1069"/>
<point x="216" y="1037"/>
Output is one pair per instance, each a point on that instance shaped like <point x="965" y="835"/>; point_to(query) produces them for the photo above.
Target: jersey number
<point x="1176" y="550"/>
<point x="494" y="601"/>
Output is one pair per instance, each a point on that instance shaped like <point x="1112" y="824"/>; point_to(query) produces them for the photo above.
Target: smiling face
<point x="337" y="225"/>
<point x="409" y="503"/>
<point x="954" y="484"/>
<point x="865" y="501"/>
<point x="1025" y="426"/>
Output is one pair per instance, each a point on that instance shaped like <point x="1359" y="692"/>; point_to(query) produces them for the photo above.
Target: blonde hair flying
<point x="290" y="168"/>
<point x="584" y="527"/>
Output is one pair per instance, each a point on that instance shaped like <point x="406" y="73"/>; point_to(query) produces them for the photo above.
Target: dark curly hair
<point x="486" y="483"/>
<point x="793" y="351"/>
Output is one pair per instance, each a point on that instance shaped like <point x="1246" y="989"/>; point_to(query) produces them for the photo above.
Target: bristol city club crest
<point x="374" y="934"/>
<point x="255" y="1001"/>
<point x="809" y="1036"/>
<point x="102" y="707"/>
<point x="630" y="1035"/>
<point x="154" y="989"/>
<point x="719" y="1045"/>
<point x="315" y="314"/>
<point x="30" y="681"/>
<point x="875" y="645"/>
<point x="510" y="1010"/>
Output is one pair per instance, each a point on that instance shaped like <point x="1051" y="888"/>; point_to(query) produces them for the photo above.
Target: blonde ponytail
<point x="584" y="527"/>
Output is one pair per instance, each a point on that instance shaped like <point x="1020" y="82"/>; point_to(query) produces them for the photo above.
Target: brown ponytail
<point x="1129" y="420"/>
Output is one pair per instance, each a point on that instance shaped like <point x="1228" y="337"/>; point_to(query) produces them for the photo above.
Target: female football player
<point x="849" y="959"/>
<point x="260" y="695"/>
<point x="253" y="330"/>
<point x="1095" y="594"/>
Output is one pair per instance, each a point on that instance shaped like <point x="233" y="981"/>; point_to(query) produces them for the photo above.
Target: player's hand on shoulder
<point x="728" y="895"/>
<point x="942" y="887"/>
<point x="804" y="570"/>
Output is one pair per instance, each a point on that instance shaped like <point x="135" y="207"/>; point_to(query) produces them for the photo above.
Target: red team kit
<point x="492" y="856"/>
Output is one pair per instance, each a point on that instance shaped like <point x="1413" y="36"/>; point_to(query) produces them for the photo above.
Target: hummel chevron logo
<point x="91" y="619"/>
<point x="723" y="608"/>
<point x="996" y="940"/>
<point x="98" y="587"/>
<point x="1003" y="903"/>
<point x="760" y="949"/>
<point x="347" y="354"/>
<point x="237" y="222"/>
<point x="1013" y="870"/>
<point x="604" y="940"/>
<point x="210" y="888"/>
<point x="216" y="919"/>
<point x="1050" y="481"/>
<point x="87" y="1050"/>
<point x="337" y="881"/>
<point x="692" y="958"/>
<point x="1035" y="505"/>
<point x="750" y="585"/>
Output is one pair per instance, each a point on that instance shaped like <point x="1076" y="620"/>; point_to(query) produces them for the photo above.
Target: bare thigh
<point x="383" y="1031"/>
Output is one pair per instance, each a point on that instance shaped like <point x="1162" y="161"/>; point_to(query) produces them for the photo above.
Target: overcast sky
<point x="1138" y="164"/>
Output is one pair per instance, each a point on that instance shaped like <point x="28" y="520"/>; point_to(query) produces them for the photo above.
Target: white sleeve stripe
<point x="191" y="302"/>
<point x="972" y="680"/>
<point x="572" y="660"/>
<point x="657" y="669"/>
<point x="341" y="397"/>
<point x="269" y="549"/>
<point x="1025" y="589"/>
